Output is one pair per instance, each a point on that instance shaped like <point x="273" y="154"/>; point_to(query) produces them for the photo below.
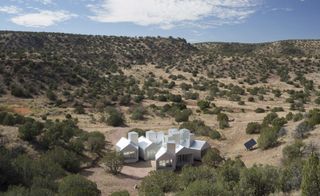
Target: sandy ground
<point x="130" y="177"/>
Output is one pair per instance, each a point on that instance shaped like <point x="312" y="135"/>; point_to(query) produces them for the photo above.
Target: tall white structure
<point x="175" y="149"/>
<point x="129" y="147"/>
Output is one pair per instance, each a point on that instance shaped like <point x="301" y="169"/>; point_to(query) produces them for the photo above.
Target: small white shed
<point x="129" y="147"/>
<point x="199" y="148"/>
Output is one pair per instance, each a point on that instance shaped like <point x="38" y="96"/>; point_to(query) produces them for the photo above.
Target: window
<point x="129" y="155"/>
<point x="165" y="163"/>
<point x="151" y="153"/>
<point x="185" y="158"/>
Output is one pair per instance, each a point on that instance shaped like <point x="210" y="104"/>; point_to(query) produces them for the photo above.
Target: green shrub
<point x="138" y="113"/>
<point x="214" y="134"/>
<point x="51" y="95"/>
<point x="277" y="109"/>
<point x="76" y="185"/>
<point x="260" y="110"/>
<point x="125" y="100"/>
<point x="310" y="176"/>
<point x="223" y="120"/>
<point x="302" y="130"/>
<point x="279" y="122"/>
<point x="199" y="188"/>
<point x="79" y="109"/>
<point x="212" y="158"/>
<point x="251" y="99"/>
<point x="203" y="104"/>
<point x="293" y="152"/>
<point x="317" y="101"/>
<point x="268" y="138"/>
<point x="297" y="117"/>
<point x="29" y="131"/>
<point x="241" y="103"/>
<point x="66" y="159"/>
<point x="183" y="115"/>
<point x="96" y="141"/>
<point x="18" y="91"/>
<point x="175" y="98"/>
<point x="289" y="116"/>
<point x="158" y="183"/>
<point x="267" y="120"/>
<point x="291" y="176"/>
<point x="253" y="128"/>
<point x="259" y="180"/>
<point x="197" y="126"/>
<point x="115" y="118"/>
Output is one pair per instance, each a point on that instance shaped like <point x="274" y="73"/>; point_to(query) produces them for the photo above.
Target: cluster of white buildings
<point x="171" y="150"/>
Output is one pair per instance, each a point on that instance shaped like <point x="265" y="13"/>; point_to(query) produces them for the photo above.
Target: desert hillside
<point x="80" y="94"/>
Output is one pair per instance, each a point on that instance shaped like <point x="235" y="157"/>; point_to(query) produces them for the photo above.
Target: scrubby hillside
<point x="75" y="94"/>
<point x="34" y="63"/>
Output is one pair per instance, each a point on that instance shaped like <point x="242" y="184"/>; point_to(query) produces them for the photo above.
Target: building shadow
<point x="140" y="164"/>
<point x="86" y="173"/>
<point x="124" y="176"/>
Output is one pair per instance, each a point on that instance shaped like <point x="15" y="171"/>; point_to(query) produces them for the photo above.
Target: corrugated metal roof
<point x="124" y="142"/>
<point x="161" y="152"/>
<point x="198" y="144"/>
<point x="144" y="142"/>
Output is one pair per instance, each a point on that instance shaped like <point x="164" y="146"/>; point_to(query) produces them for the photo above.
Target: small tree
<point x="96" y="141"/>
<point x="113" y="162"/>
<point x="115" y="118"/>
<point x="223" y="120"/>
<point x="138" y="113"/>
<point x="268" y="138"/>
<point x="183" y="115"/>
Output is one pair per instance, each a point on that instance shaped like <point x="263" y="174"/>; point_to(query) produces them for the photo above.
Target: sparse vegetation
<point x="166" y="82"/>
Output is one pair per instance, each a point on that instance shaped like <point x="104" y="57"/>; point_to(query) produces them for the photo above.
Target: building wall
<point x="164" y="157"/>
<point x="151" y="151"/>
<point x="132" y="159"/>
<point x="184" y="157"/>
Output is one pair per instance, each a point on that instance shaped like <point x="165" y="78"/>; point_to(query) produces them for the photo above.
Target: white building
<point x="176" y="149"/>
<point x="166" y="157"/>
<point x="150" y="145"/>
<point x="129" y="147"/>
<point x="199" y="148"/>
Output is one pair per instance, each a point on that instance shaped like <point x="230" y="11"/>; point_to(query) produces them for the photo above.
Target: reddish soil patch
<point x="22" y="110"/>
